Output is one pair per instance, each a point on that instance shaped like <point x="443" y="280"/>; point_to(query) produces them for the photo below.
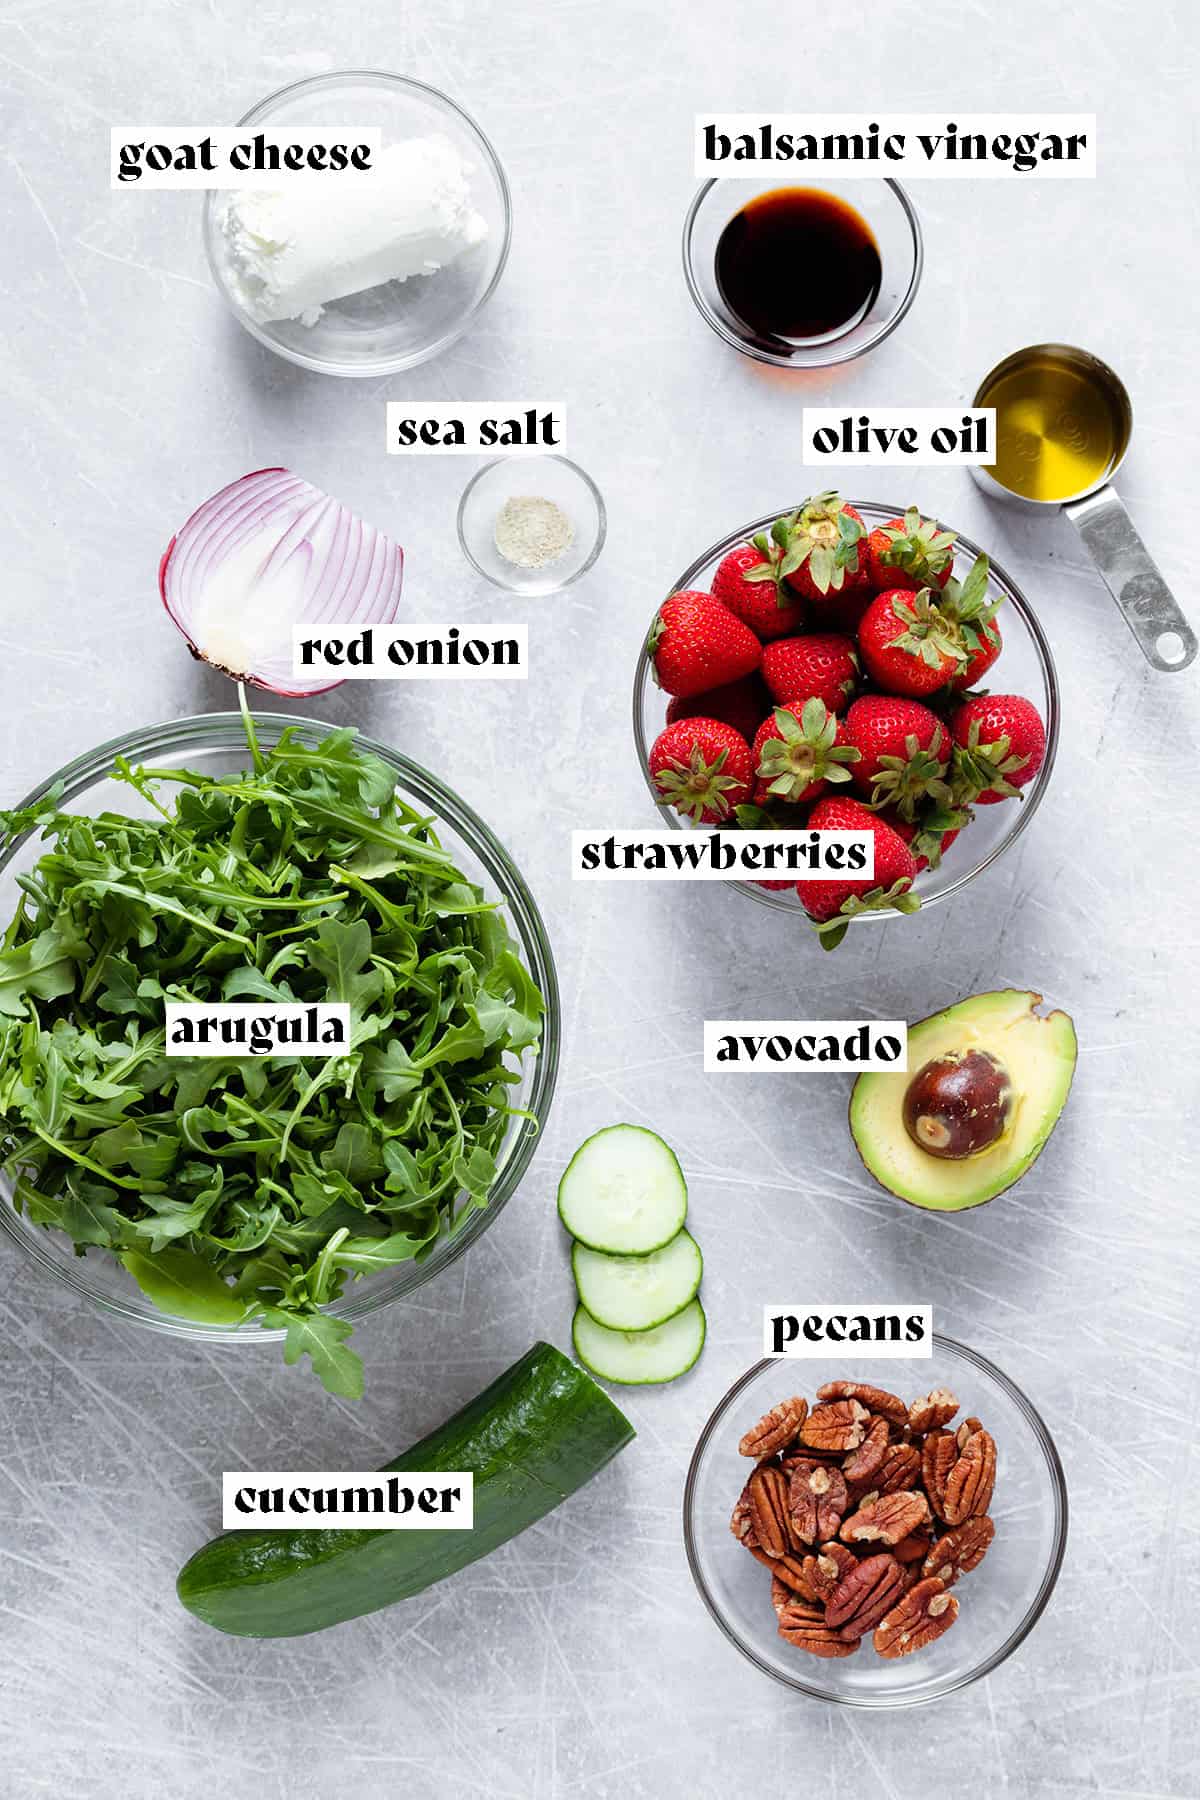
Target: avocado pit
<point x="958" y="1104"/>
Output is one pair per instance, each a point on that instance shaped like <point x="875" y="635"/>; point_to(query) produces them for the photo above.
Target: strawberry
<point x="696" y="644"/>
<point x="1000" y="746"/>
<point x="933" y="833"/>
<point x="768" y="609"/>
<point x="824" y="666"/>
<point x="815" y="549"/>
<point x="911" y="552"/>
<point x="904" y="752"/>
<point x="966" y="602"/>
<point x="908" y="644"/>
<point x="843" y="612"/>
<point x="702" y="768"/>
<point x="798" y="752"/>
<point x="739" y="703"/>
<point x="833" y="902"/>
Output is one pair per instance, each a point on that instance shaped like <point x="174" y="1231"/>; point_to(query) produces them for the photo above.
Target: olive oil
<point x="1057" y="429"/>
<point x="798" y="264"/>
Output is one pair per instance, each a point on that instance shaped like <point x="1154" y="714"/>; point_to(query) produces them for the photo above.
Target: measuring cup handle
<point x="1147" y="604"/>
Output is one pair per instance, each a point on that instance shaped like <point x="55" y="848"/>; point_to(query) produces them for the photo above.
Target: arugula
<point x="246" y="1188"/>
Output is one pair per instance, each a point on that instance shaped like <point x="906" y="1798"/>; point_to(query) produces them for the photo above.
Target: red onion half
<point x="268" y="552"/>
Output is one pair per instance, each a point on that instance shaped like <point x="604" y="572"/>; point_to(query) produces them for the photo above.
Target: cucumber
<point x="623" y="1192"/>
<point x="540" y="1431"/>
<point x="635" y="1358"/>
<point x="636" y="1293"/>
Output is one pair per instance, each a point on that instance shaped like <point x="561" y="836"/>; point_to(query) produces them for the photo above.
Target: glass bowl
<point x="1000" y="1602"/>
<point x="216" y="743"/>
<point x="550" y="478"/>
<point x="400" y="323"/>
<point x="1025" y="667"/>
<point x="893" y="220"/>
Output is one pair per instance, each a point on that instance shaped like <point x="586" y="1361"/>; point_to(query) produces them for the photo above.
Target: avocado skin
<point x="1009" y="1008"/>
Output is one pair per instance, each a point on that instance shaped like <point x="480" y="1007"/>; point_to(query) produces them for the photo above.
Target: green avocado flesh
<point x="540" y="1431"/>
<point x="1038" y="1053"/>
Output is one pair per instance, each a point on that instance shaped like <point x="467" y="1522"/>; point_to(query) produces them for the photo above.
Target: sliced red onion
<point x="268" y="552"/>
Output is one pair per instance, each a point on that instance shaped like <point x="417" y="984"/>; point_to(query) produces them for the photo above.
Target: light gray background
<point x="579" y="1661"/>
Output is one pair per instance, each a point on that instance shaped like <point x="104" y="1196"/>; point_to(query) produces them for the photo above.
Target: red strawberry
<point x="702" y="768"/>
<point x="843" y="612"/>
<point x="911" y="552"/>
<point x="930" y="839"/>
<point x="1000" y="746"/>
<point x="760" y="603"/>
<point x="824" y="666"/>
<point x="908" y="644"/>
<point x="798" y="752"/>
<point x="966" y="602"/>
<point x="833" y="902"/>
<point x="904" y="751"/>
<point x="740" y="704"/>
<point x="821" y="547"/>
<point x="696" y="644"/>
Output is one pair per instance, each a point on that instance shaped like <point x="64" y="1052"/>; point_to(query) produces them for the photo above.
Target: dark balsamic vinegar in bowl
<point x="798" y="264"/>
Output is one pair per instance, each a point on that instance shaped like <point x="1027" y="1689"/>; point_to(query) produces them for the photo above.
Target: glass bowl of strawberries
<point x="857" y="667"/>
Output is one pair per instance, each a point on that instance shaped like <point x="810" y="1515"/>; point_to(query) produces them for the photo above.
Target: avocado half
<point x="1039" y="1054"/>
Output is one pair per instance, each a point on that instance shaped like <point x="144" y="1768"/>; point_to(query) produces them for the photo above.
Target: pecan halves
<point x="741" y="1524"/>
<point x="935" y="1410"/>
<point x="824" y="1572"/>
<point x="969" y="1484"/>
<point x="818" y="1500"/>
<point x="788" y="1568"/>
<point x="938" y="1456"/>
<point x="835" y="1425"/>
<point x="806" y="1628"/>
<point x="900" y="1468"/>
<point x="922" y="1615"/>
<point x="887" y="1520"/>
<point x="861" y="1464"/>
<point x="775" y="1429"/>
<point x="770" y="1521"/>
<point x="960" y="1550"/>
<point x="864" y="1594"/>
<point x="876" y="1400"/>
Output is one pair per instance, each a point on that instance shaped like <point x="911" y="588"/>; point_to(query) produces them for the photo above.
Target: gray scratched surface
<point x="578" y="1662"/>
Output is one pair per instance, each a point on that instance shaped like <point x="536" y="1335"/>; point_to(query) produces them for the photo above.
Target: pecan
<point x="741" y="1524"/>
<point x="960" y="1550"/>
<point x="780" y="1595"/>
<point x="938" y="1456"/>
<point x="924" y="1613"/>
<point x="912" y="1548"/>
<point x="967" y="1429"/>
<point x="767" y="1496"/>
<point x="805" y="1627"/>
<point x="775" y="1429"/>
<point x="818" y="1500"/>
<point x="937" y="1409"/>
<point x="787" y="1568"/>
<point x="836" y="1425"/>
<point x="887" y="1520"/>
<point x="900" y="1468"/>
<point x="876" y="1400"/>
<point x="969" y="1484"/>
<point x="863" y="1596"/>
<point x="823" y="1572"/>
<point x="862" y="1463"/>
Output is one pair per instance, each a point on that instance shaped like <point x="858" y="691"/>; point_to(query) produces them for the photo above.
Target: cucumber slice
<point x="635" y="1358"/>
<point x="636" y="1293"/>
<point x="623" y="1192"/>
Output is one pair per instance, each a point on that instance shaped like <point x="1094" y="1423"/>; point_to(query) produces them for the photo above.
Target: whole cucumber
<point x="540" y="1431"/>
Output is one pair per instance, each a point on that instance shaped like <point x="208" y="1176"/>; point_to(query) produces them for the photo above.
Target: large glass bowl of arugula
<point x="250" y="1197"/>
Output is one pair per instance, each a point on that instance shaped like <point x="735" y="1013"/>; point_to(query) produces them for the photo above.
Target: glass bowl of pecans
<point x="876" y="1540"/>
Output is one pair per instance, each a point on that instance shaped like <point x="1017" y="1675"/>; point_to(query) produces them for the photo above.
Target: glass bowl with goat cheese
<point x="369" y="274"/>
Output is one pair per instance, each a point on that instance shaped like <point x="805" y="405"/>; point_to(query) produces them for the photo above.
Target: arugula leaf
<point x="321" y="1338"/>
<point x="179" y="1282"/>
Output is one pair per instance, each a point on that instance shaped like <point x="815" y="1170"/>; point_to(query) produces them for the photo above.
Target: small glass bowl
<point x="215" y="743"/>
<point x="1025" y="666"/>
<point x="400" y="323"/>
<point x="893" y="220"/>
<point x="1000" y="1602"/>
<point x="549" y="478"/>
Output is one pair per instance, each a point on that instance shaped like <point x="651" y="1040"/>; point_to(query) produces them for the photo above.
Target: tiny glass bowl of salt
<point x="365" y="274"/>
<point x="531" y="524"/>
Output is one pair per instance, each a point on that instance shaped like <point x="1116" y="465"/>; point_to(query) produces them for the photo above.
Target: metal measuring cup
<point x="1098" y="514"/>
